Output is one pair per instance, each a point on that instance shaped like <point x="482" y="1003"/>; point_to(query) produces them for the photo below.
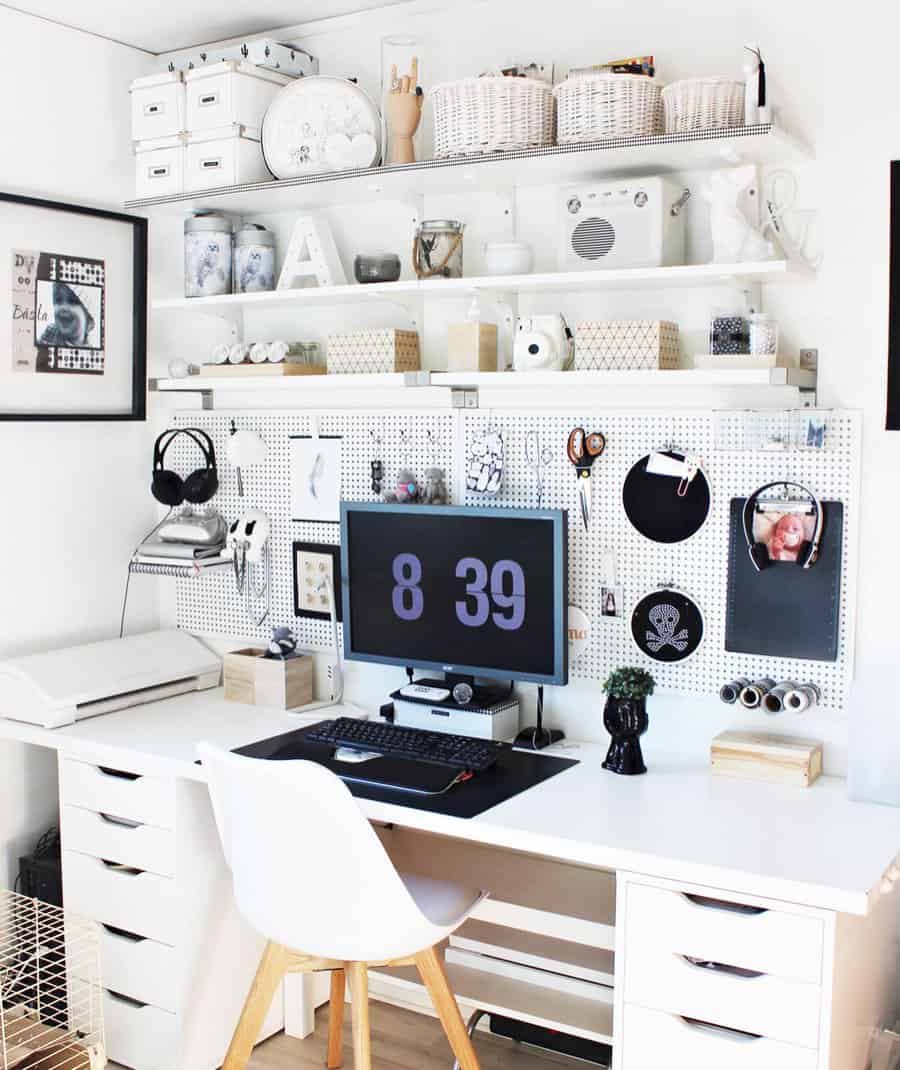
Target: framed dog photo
<point x="75" y="280"/>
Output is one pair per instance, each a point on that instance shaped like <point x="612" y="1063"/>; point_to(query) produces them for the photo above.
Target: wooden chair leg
<point x="359" y="990"/>
<point x="269" y="974"/>
<point x="431" y="968"/>
<point x="335" y="1059"/>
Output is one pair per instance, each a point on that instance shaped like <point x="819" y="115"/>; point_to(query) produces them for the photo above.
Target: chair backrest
<point x="309" y="871"/>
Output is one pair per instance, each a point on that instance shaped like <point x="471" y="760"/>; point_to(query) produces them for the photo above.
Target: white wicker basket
<point x="592" y="107"/>
<point x="493" y="114"/>
<point x="703" y="104"/>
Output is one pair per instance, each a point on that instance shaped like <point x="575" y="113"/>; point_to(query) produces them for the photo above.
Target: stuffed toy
<point x="434" y="489"/>
<point x="406" y="490"/>
<point x="787" y="538"/>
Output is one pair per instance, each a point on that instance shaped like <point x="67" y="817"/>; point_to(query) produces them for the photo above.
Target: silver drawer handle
<point x="127" y="1000"/>
<point x="119" y="774"/>
<point x="120" y="822"/>
<point x="737" y="1036"/>
<point x="156" y="108"/>
<point x="707" y="903"/>
<point x="721" y="968"/>
<point x="208" y="100"/>
<point x="212" y="163"/>
<point x="124" y="934"/>
<point x="121" y="868"/>
<point x="160" y="171"/>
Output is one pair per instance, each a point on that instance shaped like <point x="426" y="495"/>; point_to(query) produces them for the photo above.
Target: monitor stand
<point x="538" y="737"/>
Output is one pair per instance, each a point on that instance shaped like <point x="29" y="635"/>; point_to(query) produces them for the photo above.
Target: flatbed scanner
<point x="59" y="687"/>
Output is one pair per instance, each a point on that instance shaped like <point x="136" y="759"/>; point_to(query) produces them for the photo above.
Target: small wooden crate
<point x="260" y="681"/>
<point x="472" y="347"/>
<point x="759" y="756"/>
<point x="374" y="351"/>
<point x="626" y="345"/>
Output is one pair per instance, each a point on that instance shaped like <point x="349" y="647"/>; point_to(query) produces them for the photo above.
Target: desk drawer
<point x="653" y="1039"/>
<point x="118" y="792"/>
<point x="141" y="903"/>
<point x="773" y="942"/>
<point x="140" y="968"/>
<point x="740" y="999"/>
<point x="138" y="1035"/>
<point x="119" y="839"/>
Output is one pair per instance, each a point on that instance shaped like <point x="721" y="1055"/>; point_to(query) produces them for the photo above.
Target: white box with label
<point x="228" y="156"/>
<point x="159" y="167"/>
<point x="228" y="93"/>
<point x="157" y="106"/>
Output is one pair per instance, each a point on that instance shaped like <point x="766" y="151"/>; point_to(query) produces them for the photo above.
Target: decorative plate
<point x="320" y="124"/>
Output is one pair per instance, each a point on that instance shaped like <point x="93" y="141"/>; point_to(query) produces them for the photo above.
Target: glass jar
<point x="254" y="259"/>
<point x="207" y="255"/>
<point x="729" y="334"/>
<point x="296" y="353"/>
<point x="438" y="249"/>
<point x="763" y="335"/>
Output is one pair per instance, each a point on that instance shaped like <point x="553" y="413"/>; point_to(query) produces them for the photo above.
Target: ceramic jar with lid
<point x="508" y="257"/>
<point x="254" y="259"/>
<point x="207" y="255"/>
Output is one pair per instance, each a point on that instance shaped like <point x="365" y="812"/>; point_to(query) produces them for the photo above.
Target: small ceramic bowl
<point x="508" y="257"/>
<point x="376" y="267"/>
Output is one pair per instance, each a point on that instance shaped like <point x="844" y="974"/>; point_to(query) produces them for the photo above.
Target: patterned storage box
<point x="626" y="345"/>
<point x="373" y="351"/>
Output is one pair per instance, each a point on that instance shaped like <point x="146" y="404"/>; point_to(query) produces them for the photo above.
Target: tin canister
<point x="207" y="255"/>
<point x="254" y="259"/>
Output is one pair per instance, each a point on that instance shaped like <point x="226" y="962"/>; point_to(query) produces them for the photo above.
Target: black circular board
<point x="654" y="508"/>
<point x="667" y="625"/>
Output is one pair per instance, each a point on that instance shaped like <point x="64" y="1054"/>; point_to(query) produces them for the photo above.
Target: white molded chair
<point x="313" y="878"/>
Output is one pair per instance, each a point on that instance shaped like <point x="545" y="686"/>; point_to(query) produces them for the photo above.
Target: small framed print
<point x="76" y="280"/>
<point x="316" y="478"/>
<point x="313" y="561"/>
<point x="611" y="602"/>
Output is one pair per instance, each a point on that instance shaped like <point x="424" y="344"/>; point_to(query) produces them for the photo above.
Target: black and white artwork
<point x="316" y="478"/>
<point x="667" y="625"/>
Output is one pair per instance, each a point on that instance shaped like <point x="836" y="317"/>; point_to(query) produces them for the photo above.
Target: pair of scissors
<point x="537" y="459"/>
<point x="583" y="449"/>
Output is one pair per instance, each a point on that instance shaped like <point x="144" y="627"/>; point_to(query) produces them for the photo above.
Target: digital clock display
<point x="473" y="589"/>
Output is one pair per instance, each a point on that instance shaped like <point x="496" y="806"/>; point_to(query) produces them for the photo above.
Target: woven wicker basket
<point x="592" y="107"/>
<point x="493" y="114"/>
<point x="703" y="104"/>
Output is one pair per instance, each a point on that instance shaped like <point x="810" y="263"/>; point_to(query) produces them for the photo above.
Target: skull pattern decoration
<point x="667" y="625"/>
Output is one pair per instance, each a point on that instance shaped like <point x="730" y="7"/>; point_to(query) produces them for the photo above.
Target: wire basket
<point x="51" y="1015"/>
<point x="592" y="107"/>
<point x="703" y="104"/>
<point x="475" y="116"/>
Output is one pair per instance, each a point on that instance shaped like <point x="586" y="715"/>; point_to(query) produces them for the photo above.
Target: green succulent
<point x="631" y="682"/>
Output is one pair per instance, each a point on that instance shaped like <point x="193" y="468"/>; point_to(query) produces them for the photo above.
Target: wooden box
<point x="472" y="347"/>
<point x="759" y="756"/>
<point x="260" y="681"/>
<point x="626" y="345"/>
<point x="384" y="350"/>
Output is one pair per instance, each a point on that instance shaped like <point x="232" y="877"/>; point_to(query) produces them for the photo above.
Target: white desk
<point x="804" y="854"/>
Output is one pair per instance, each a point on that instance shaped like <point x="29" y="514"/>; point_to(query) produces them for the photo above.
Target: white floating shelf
<point x="658" y="380"/>
<point x="684" y="275"/>
<point x="660" y="154"/>
<point x="294" y="384"/>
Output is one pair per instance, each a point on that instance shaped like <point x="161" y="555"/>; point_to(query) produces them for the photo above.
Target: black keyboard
<point x="438" y="748"/>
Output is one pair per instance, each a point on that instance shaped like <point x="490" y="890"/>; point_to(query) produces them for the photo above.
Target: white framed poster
<point x="316" y="478"/>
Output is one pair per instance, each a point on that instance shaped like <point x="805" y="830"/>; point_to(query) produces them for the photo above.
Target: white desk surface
<point x="811" y="846"/>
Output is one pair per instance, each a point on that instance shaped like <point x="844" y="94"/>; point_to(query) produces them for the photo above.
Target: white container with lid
<point x="227" y="156"/>
<point x="229" y="92"/>
<point x="159" y="167"/>
<point x="508" y="257"/>
<point x="157" y="106"/>
<point x="207" y="255"/>
<point x="254" y="259"/>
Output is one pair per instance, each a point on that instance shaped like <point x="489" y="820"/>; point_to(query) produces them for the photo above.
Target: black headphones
<point x="168" y="487"/>
<point x="808" y="553"/>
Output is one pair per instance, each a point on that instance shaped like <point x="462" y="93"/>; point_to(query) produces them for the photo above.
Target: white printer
<point x="59" y="687"/>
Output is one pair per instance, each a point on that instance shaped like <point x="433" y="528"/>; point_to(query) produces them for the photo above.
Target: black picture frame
<point x="139" y="228"/>
<point x="892" y="419"/>
<point x="334" y="552"/>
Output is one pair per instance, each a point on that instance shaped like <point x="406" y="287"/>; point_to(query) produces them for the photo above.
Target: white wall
<point x="74" y="500"/>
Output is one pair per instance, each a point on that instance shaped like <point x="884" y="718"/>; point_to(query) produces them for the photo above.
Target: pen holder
<point x="253" y="678"/>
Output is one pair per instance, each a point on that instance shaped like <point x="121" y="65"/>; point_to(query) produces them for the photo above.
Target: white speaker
<point x="635" y="222"/>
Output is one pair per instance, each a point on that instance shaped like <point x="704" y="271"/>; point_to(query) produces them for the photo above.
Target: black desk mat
<point x="514" y="772"/>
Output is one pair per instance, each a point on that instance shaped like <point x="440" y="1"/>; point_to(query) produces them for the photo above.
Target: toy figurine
<point x="403" y="105"/>
<point x="434" y="491"/>
<point x="406" y="490"/>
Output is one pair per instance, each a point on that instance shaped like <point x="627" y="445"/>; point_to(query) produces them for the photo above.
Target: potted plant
<point x="625" y="718"/>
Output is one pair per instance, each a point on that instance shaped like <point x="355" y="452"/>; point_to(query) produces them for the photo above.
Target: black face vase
<point x="626" y="721"/>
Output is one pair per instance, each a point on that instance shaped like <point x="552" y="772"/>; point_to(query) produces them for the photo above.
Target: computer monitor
<point x="475" y="592"/>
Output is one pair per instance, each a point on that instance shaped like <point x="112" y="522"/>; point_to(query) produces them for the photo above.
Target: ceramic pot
<point x="626" y="721"/>
<point x="508" y="258"/>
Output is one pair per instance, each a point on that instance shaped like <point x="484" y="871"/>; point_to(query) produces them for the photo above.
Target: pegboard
<point x="698" y="566"/>
<point x="210" y="604"/>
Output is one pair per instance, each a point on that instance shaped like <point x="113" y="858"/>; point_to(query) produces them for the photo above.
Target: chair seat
<point x="442" y="902"/>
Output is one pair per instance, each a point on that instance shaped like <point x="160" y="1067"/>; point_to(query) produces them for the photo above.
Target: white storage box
<point x="229" y="93"/>
<point x="386" y="350"/>
<point x="626" y="345"/>
<point x="228" y="156"/>
<point x="157" y="106"/>
<point x="263" y="52"/>
<point x="159" y="167"/>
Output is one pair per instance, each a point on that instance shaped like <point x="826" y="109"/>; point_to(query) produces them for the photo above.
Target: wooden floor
<point x="401" y="1040"/>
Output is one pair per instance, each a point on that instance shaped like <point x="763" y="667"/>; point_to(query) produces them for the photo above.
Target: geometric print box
<point x="385" y="350"/>
<point x="626" y="345"/>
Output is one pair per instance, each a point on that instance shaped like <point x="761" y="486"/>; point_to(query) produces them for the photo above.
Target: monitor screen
<point x="470" y="591"/>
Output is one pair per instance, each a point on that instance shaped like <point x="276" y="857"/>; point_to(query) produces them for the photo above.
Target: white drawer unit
<point x="159" y="167"/>
<point x="119" y="792"/>
<point x="142" y="969"/>
<point x="157" y="106"/>
<point x="654" y="1039"/>
<point x="139" y="1035"/>
<point x="230" y="92"/>
<point x="769" y="941"/>
<point x="119" y="839"/>
<point x="223" y="157"/>
<point x="133" y="900"/>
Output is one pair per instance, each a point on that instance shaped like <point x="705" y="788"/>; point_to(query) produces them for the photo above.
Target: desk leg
<point x="299" y="1004"/>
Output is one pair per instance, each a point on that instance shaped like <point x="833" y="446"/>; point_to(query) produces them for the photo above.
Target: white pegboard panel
<point x="211" y="604"/>
<point x="699" y="566"/>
